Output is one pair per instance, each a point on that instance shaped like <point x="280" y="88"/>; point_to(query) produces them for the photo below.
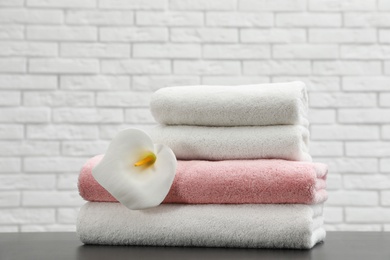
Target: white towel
<point x="262" y="104"/>
<point x="239" y="225"/>
<point x="288" y="142"/>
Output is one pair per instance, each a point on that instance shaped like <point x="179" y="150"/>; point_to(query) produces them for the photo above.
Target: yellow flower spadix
<point x="148" y="160"/>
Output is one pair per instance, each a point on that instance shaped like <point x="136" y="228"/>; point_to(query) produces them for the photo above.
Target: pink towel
<point x="231" y="182"/>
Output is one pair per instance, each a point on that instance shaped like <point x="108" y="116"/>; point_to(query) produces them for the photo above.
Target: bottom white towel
<point x="237" y="225"/>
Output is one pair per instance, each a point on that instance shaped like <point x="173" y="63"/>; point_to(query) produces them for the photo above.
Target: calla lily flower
<point x="135" y="171"/>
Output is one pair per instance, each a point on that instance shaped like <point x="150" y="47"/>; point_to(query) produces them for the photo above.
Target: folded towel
<point x="239" y="225"/>
<point x="262" y="104"/>
<point x="230" y="182"/>
<point x="288" y="142"/>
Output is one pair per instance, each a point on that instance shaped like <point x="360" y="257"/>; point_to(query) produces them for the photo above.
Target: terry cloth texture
<point x="288" y="142"/>
<point x="247" y="105"/>
<point x="230" y="182"/>
<point x="240" y="225"/>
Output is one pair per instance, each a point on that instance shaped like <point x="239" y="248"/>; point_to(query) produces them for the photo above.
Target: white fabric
<point x="240" y="225"/>
<point x="262" y="104"/>
<point x="289" y="142"/>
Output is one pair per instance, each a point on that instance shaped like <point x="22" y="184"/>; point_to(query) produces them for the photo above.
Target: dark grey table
<point x="56" y="246"/>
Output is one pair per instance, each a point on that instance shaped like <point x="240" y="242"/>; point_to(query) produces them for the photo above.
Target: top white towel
<point x="247" y="105"/>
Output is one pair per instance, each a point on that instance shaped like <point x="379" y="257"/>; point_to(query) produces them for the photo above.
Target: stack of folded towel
<point x="244" y="176"/>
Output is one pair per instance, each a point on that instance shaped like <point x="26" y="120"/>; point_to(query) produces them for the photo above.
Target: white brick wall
<point x="73" y="73"/>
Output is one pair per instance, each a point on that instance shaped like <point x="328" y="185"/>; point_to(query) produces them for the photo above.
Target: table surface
<point x="44" y="246"/>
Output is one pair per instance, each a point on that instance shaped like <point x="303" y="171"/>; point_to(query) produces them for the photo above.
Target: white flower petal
<point x="136" y="187"/>
<point x="154" y="182"/>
